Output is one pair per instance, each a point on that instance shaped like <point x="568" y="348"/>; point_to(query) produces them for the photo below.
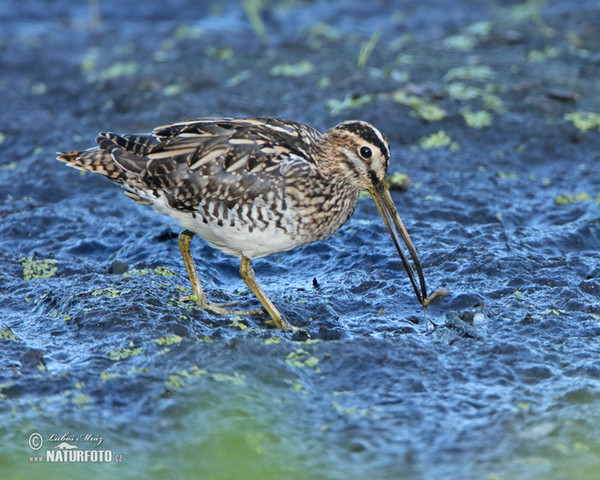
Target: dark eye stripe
<point x="366" y="132"/>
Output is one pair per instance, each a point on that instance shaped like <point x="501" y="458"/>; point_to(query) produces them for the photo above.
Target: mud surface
<point x="492" y="109"/>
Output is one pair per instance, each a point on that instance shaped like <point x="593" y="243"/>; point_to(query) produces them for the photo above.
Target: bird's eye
<point x="365" y="152"/>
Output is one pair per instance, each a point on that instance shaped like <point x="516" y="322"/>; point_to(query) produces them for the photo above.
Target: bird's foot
<point x="219" y="308"/>
<point x="282" y="323"/>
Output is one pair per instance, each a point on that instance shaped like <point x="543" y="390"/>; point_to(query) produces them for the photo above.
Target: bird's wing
<point x="223" y="160"/>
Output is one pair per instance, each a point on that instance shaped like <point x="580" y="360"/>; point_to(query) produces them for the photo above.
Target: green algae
<point x="542" y="55"/>
<point x="437" y="140"/>
<point x="296" y="386"/>
<point x="398" y="181"/>
<point x="188" y="32"/>
<point x="321" y="33"/>
<point x="301" y="358"/>
<point x="118" y="70"/>
<point x="82" y="399"/>
<point x="7" y="334"/>
<point x="299" y="69"/>
<point x="429" y="112"/>
<point x="478" y="119"/>
<point x="584" y="121"/>
<point x="470" y="72"/>
<point x="106" y="376"/>
<point x="235" y="379"/>
<point x="349" y="102"/>
<point x="123" y="353"/>
<point x="108" y="291"/>
<point x="169" y="339"/>
<point x="570" y="198"/>
<point x="36" y="269"/>
<point x="179" y="379"/>
<point x="469" y="38"/>
<point x="159" y="271"/>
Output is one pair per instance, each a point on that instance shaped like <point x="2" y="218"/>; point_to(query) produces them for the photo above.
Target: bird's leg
<point x="247" y="274"/>
<point x="185" y="240"/>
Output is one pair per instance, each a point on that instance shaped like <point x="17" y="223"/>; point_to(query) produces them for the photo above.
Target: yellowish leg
<point x="247" y="274"/>
<point x="185" y="240"/>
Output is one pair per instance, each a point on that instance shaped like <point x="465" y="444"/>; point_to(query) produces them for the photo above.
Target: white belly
<point x="237" y="240"/>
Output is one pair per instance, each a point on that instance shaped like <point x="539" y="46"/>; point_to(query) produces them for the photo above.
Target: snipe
<point x="253" y="187"/>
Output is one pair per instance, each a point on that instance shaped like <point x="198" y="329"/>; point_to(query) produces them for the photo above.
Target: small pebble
<point x="119" y="267"/>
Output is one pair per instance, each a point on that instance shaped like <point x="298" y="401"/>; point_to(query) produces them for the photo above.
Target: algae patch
<point x="108" y="291"/>
<point x="118" y="70"/>
<point x="174" y="89"/>
<point x="159" y="271"/>
<point x="479" y="119"/>
<point x="188" y="32"/>
<point x="462" y="91"/>
<point x="321" y="33"/>
<point x="106" y="376"/>
<point x="236" y="322"/>
<point x="301" y="358"/>
<point x="542" y="55"/>
<point x="235" y="379"/>
<point x="507" y="175"/>
<point x="82" y="399"/>
<point x="350" y="101"/>
<point x="170" y="339"/>
<point x="470" y="72"/>
<point x="430" y="112"/>
<point x="179" y="379"/>
<point x="469" y="38"/>
<point x="123" y="353"/>
<point x="398" y="181"/>
<point x="7" y="334"/>
<point x="35" y="269"/>
<point x="569" y="198"/>
<point x="438" y="140"/>
<point x="296" y="386"/>
<point x="299" y="69"/>
<point x="584" y="121"/>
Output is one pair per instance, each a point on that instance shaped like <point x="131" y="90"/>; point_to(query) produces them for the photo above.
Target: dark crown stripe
<point x="366" y="132"/>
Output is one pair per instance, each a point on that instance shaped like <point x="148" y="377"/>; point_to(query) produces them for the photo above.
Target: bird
<point x="253" y="187"/>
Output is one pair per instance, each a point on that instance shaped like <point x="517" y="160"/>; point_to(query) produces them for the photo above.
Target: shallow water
<point x="504" y="383"/>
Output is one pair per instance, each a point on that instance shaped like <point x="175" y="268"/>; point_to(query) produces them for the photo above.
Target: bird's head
<point x="361" y="154"/>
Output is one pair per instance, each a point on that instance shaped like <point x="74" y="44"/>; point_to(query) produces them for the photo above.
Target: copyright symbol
<point x="35" y="441"/>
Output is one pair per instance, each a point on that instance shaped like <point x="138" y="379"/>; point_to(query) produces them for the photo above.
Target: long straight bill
<point x="386" y="207"/>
